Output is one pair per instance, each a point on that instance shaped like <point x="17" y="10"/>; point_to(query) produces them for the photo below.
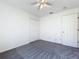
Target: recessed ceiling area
<point x="57" y="6"/>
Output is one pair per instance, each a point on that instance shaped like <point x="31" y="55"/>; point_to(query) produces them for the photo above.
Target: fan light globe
<point x="42" y="3"/>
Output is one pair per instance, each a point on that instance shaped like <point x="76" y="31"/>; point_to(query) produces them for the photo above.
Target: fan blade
<point x="45" y="5"/>
<point x="41" y="6"/>
<point x="34" y="3"/>
<point x="42" y="0"/>
<point x="49" y="4"/>
<point x="46" y="1"/>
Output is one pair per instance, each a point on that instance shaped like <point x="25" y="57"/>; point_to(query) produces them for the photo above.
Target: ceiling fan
<point x="42" y="3"/>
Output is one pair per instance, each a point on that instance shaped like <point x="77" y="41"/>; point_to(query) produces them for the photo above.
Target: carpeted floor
<point x="42" y="50"/>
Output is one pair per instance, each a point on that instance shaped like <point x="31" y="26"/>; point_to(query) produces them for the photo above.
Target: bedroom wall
<point x="15" y="26"/>
<point x="34" y="29"/>
<point x="50" y="28"/>
<point x="53" y="27"/>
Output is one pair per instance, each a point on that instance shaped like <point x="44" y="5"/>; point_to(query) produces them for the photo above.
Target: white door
<point x="70" y="30"/>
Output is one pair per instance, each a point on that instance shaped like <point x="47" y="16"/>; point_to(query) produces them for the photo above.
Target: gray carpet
<point x="42" y="50"/>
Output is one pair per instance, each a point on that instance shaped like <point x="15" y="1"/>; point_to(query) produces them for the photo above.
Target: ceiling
<point x="57" y="6"/>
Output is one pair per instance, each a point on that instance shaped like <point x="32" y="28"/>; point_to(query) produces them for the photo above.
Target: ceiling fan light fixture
<point x="41" y="6"/>
<point x="42" y="3"/>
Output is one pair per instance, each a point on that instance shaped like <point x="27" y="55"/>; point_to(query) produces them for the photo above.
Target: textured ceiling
<point x="57" y="6"/>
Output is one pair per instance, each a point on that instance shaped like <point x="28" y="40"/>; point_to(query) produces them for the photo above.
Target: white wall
<point x="15" y="27"/>
<point x="53" y="27"/>
<point x="50" y="28"/>
<point x="34" y="29"/>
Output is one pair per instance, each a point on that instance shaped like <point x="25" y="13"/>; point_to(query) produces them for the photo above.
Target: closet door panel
<point x="70" y="30"/>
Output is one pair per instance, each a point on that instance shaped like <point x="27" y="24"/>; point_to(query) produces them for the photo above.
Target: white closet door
<point x="70" y="30"/>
